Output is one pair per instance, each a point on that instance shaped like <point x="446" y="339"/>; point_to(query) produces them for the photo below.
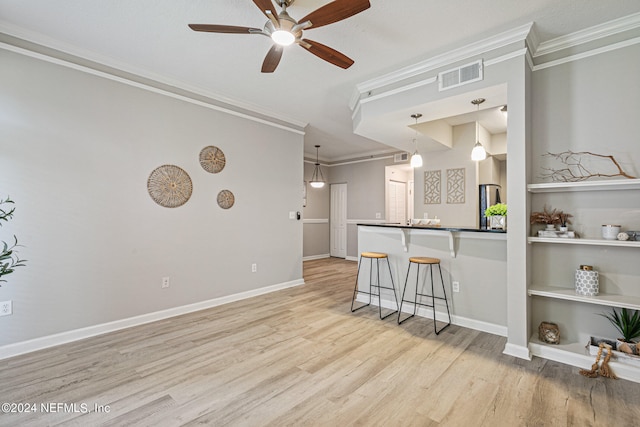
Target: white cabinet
<point x="554" y="261"/>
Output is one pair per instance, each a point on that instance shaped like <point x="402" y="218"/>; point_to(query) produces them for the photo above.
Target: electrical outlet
<point x="165" y="282"/>
<point x="254" y="268"/>
<point x="456" y="286"/>
<point x="378" y="215"/>
<point x="6" y="308"/>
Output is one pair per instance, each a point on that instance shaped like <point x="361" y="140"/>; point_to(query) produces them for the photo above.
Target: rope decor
<point x="169" y="186"/>
<point x="226" y="199"/>
<point x="212" y="159"/>
<point x="605" y="370"/>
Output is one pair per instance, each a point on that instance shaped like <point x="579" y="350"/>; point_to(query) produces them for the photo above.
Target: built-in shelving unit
<point x="555" y="187"/>
<point x="575" y="353"/>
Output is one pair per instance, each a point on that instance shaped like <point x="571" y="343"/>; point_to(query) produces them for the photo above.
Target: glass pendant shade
<point x="317" y="179"/>
<point x="478" y="153"/>
<point x="416" y="160"/>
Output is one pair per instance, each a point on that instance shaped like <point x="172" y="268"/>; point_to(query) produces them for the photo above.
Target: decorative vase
<point x="587" y="282"/>
<point x="563" y="229"/>
<point x="551" y="227"/>
<point x="498" y="222"/>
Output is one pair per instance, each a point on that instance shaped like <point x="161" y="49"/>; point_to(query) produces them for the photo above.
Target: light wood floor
<point x="300" y="357"/>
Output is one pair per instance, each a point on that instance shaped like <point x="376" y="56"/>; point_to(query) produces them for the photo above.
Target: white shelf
<point x="569" y="294"/>
<point x="592" y="242"/>
<point x="554" y="187"/>
<point x="576" y="354"/>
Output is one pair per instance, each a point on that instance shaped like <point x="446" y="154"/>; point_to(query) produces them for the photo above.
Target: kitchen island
<point x="474" y="258"/>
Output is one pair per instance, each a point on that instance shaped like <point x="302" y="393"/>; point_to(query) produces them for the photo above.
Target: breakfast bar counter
<point x="475" y="259"/>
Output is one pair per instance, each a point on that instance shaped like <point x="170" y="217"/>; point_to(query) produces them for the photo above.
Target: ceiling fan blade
<point x="230" y="29"/>
<point x="272" y="59"/>
<point x="265" y="5"/>
<point x="335" y="11"/>
<point x="326" y="53"/>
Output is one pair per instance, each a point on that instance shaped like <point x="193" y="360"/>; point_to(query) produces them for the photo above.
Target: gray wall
<point x="316" y="215"/>
<point x="77" y="150"/>
<point x="365" y="195"/>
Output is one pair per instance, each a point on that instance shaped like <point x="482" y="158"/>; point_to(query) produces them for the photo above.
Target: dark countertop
<point x="427" y="227"/>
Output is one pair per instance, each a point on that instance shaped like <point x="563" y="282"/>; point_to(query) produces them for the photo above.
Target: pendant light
<point x="317" y="179"/>
<point x="478" y="153"/>
<point x="416" y="158"/>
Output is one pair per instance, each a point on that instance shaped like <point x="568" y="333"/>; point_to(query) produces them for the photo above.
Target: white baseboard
<point x="312" y="257"/>
<point x="465" y="322"/>
<point x="352" y="258"/>
<point x="35" y="344"/>
<point x="517" y="351"/>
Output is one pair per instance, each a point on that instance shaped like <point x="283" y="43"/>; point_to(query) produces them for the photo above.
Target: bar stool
<point x="371" y="256"/>
<point x="430" y="262"/>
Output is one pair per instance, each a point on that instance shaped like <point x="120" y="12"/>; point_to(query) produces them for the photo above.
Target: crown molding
<point x="44" y="48"/>
<point x="587" y="35"/>
<point x="471" y="50"/>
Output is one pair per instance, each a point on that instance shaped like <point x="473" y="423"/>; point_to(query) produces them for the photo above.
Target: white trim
<point x="401" y="89"/>
<point x="465" y="322"/>
<point x="430" y="80"/>
<point x="316" y="221"/>
<point x="371" y="159"/>
<point x="312" y="257"/>
<point x="587" y="54"/>
<point x="491" y="43"/>
<point x="352" y="258"/>
<point x="575" y="355"/>
<point x="596" y="32"/>
<point x="290" y="125"/>
<point x="517" y="351"/>
<point x="35" y="344"/>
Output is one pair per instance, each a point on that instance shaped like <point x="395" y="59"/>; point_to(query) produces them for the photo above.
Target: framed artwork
<point x="432" y="187"/>
<point x="455" y="185"/>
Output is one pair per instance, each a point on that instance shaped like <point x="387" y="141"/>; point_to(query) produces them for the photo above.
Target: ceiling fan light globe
<point x="478" y="153"/>
<point x="283" y="38"/>
<point x="416" y="160"/>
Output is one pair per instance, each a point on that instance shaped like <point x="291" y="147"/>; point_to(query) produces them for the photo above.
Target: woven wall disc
<point x="169" y="186"/>
<point x="226" y="199"/>
<point x="212" y="159"/>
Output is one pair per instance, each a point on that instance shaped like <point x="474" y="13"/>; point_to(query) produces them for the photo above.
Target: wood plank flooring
<point x="300" y="357"/>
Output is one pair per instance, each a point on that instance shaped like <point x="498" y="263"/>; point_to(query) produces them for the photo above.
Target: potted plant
<point x="550" y="218"/>
<point x="564" y="221"/>
<point x="497" y="215"/>
<point x="627" y="322"/>
<point x="8" y="258"/>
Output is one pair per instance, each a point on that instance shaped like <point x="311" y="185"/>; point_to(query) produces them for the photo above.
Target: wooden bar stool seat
<point x="430" y="262"/>
<point x="377" y="256"/>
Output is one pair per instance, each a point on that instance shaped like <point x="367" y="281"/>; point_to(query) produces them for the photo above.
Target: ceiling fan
<point x="284" y="30"/>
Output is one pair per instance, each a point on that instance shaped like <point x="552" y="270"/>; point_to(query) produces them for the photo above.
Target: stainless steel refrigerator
<point x="489" y="196"/>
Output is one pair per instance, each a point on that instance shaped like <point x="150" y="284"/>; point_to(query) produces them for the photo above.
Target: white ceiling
<point x="151" y="38"/>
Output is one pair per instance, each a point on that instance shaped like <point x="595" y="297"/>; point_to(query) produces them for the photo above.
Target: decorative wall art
<point x="226" y="199"/>
<point x="455" y="185"/>
<point x="169" y="186"/>
<point x="432" y="187"/>
<point x="212" y="159"/>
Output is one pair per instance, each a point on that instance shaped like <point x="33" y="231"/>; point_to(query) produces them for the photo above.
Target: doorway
<point x="338" y="221"/>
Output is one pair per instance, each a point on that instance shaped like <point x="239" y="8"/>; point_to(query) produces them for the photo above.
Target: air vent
<point x="402" y="157"/>
<point x="460" y="76"/>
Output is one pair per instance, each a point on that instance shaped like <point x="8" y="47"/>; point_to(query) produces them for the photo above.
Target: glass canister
<point x="587" y="283"/>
